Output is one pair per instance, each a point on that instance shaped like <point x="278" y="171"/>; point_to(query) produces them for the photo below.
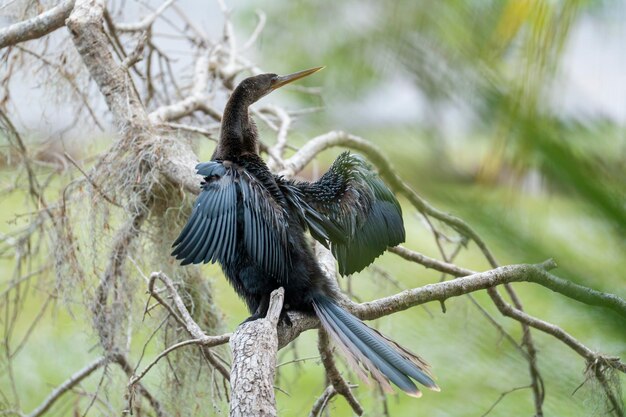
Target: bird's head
<point x="239" y="133"/>
<point x="254" y="88"/>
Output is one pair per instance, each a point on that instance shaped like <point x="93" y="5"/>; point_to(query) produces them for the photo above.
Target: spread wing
<point x="323" y="229"/>
<point x="234" y="216"/>
<point x="355" y="199"/>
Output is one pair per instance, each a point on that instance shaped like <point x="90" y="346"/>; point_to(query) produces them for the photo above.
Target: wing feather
<point x="265" y="227"/>
<point x="204" y="238"/>
<point x="355" y="199"/>
<point x="194" y="236"/>
<point x="233" y="199"/>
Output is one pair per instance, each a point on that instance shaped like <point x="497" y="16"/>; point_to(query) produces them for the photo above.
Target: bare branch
<point x="335" y="378"/>
<point x="91" y="181"/>
<point x="210" y="134"/>
<point x="431" y="263"/>
<point x="104" y="319"/>
<point x="70" y="383"/>
<point x="254" y="345"/>
<point x="38" y="26"/>
<point x="485" y="280"/>
<point x="188" y="321"/>
<point x="208" y="341"/>
<point x="70" y="78"/>
<point x="537" y="385"/>
<point x="85" y="24"/>
<point x="122" y="361"/>
<point x="542" y="277"/>
<point x="504" y="394"/>
<point x="198" y="100"/>
<point x="184" y="318"/>
<point x="257" y="31"/>
<point x="137" y="54"/>
<point x="557" y="332"/>
<point x="277" y="151"/>
<point x="146" y="22"/>
<point x="322" y="401"/>
<point x="447" y="289"/>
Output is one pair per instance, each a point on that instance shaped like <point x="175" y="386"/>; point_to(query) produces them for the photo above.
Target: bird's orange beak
<point x="286" y="79"/>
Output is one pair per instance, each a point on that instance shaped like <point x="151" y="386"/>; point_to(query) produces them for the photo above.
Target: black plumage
<point x="253" y="224"/>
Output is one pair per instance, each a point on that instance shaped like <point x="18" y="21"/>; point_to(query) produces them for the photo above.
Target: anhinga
<point x="253" y="223"/>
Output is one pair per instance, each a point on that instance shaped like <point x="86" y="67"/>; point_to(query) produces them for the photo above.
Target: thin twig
<point x="262" y="18"/>
<point x="146" y="22"/>
<point x="185" y="319"/>
<point x="88" y="178"/>
<point x="70" y="383"/>
<point x="208" y="341"/>
<point x="501" y="397"/>
<point x="321" y="402"/>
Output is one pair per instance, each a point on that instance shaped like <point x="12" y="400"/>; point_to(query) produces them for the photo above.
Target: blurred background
<point x="508" y="114"/>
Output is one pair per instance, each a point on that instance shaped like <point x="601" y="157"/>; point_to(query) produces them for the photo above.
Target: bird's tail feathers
<point x="368" y="350"/>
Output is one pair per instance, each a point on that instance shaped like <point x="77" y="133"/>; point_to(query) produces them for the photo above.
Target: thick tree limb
<point x="114" y="82"/>
<point x="254" y="345"/>
<point x="442" y="291"/>
<point x="541" y="276"/>
<point x="38" y="26"/>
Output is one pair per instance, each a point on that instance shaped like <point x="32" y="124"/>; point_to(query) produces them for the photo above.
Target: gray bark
<point x="38" y="26"/>
<point x="254" y="346"/>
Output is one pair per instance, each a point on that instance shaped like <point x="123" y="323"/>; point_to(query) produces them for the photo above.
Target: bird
<point x="254" y="223"/>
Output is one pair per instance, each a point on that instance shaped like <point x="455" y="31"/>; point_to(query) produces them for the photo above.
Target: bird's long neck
<point x="238" y="135"/>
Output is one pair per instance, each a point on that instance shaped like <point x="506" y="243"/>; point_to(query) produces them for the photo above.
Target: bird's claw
<point x="284" y="318"/>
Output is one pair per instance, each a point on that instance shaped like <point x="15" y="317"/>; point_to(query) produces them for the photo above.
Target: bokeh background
<point x="508" y="114"/>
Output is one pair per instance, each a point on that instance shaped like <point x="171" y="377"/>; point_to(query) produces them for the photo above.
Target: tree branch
<point x="198" y="100"/>
<point x="146" y="22"/>
<point x="184" y="318"/>
<point x="85" y="25"/>
<point x="38" y="26"/>
<point x="321" y="402"/>
<point x="70" y="383"/>
<point x="443" y="290"/>
<point x="122" y="361"/>
<point x="335" y="378"/>
<point x="540" y="276"/>
<point x="254" y="345"/>
<point x="208" y="341"/>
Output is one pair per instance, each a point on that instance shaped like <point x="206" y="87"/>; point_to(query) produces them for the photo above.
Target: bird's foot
<point x="284" y="318"/>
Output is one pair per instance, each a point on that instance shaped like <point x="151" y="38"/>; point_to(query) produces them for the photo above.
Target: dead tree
<point x="117" y="217"/>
